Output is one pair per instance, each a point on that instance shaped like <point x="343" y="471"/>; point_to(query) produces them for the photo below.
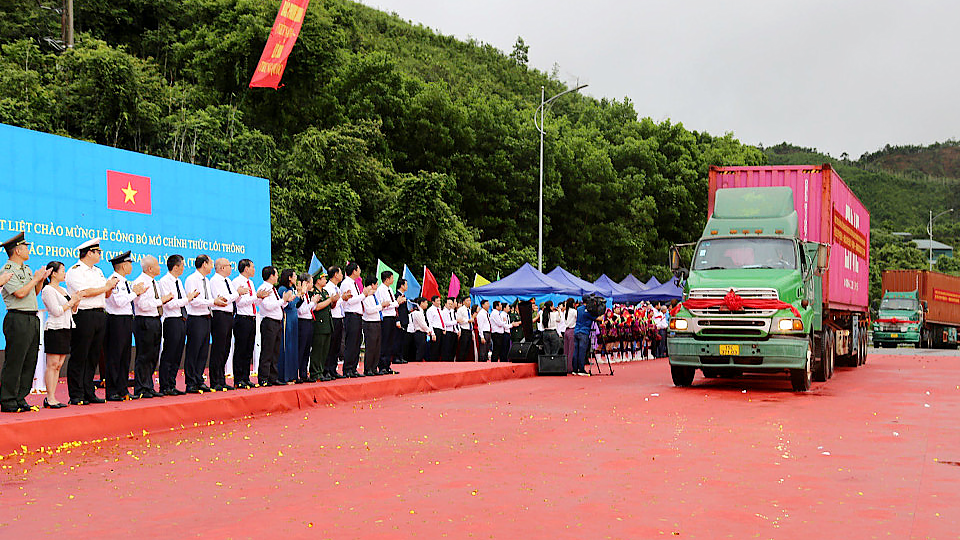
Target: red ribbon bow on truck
<point x="734" y="302"/>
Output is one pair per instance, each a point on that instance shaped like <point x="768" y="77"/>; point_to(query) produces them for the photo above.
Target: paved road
<point x="873" y="453"/>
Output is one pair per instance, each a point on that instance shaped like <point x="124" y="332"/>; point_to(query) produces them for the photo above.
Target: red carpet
<point x="50" y="427"/>
<point x="873" y="453"/>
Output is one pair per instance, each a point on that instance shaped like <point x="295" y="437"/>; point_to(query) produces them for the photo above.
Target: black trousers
<point x="351" y="345"/>
<point x="318" y="352"/>
<point x="304" y="346"/>
<point x="372" y="343"/>
<point x="86" y="344"/>
<point x="221" y="328"/>
<point x="465" y="347"/>
<point x="336" y="352"/>
<point x="420" y="346"/>
<point x="408" y="350"/>
<point x="388" y="341"/>
<point x="448" y="346"/>
<point x="270" y="336"/>
<point x="436" y="346"/>
<point x="505" y="348"/>
<point x="148" y="331"/>
<point x="198" y="350"/>
<point x="484" y="346"/>
<point x="497" y="347"/>
<point x="244" y="336"/>
<point x="22" y="332"/>
<point x="174" y="331"/>
<point x="116" y="352"/>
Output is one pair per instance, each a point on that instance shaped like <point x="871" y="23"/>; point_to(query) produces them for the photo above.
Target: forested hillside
<point x="936" y="161"/>
<point x="388" y="139"/>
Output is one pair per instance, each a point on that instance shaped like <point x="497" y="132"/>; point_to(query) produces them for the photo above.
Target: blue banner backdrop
<point x="61" y="192"/>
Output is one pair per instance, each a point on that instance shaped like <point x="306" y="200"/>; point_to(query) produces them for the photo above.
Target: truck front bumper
<point x="774" y="353"/>
<point x="895" y="337"/>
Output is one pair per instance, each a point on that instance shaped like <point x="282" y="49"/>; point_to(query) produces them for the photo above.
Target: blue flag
<point x="413" y="287"/>
<point x="315" y="265"/>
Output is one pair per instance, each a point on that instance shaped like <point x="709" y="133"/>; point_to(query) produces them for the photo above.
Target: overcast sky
<point x="838" y="75"/>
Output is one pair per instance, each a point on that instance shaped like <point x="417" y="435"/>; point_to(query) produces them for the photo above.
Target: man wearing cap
<point x="86" y="340"/>
<point x="322" y="328"/>
<point x="147" y="329"/>
<point x="21" y="327"/>
<point x="118" y="336"/>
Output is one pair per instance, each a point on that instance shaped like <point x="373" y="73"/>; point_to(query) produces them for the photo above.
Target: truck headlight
<point x="679" y="324"/>
<point x="790" y="325"/>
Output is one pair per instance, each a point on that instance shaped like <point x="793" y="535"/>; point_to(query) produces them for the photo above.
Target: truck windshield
<point x="905" y="304"/>
<point x="726" y="253"/>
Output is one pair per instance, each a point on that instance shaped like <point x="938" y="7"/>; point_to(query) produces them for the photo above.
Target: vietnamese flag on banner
<point x="128" y="192"/>
<point x="283" y="35"/>
<point x="430" y="288"/>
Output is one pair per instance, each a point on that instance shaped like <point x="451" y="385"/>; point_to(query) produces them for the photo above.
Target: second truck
<point x="778" y="280"/>
<point x="918" y="308"/>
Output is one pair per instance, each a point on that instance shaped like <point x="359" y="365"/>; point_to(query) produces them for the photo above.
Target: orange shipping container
<point x="940" y="291"/>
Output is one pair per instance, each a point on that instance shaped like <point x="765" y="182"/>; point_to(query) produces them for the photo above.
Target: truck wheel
<point x="821" y="366"/>
<point x="863" y="348"/>
<point x="800" y="378"/>
<point x="682" y="375"/>
<point x="710" y="373"/>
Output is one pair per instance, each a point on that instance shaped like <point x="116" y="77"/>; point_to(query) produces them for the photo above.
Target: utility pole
<point x="66" y="23"/>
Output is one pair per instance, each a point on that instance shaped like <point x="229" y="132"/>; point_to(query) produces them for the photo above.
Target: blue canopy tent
<point x="665" y="292"/>
<point x="631" y="282"/>
<point x="526" y="283"/>
<point x="614" y="292"/>
<point x="566" y="278"/>
<point x="653" y="283"/>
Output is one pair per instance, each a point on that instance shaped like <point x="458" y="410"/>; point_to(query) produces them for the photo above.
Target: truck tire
<point x="863" y="349"/>
<point x="821" y="363"/>
<point x="800" y="379"/>
<point x="682" y="375"/>
<point x="710" y="373"/>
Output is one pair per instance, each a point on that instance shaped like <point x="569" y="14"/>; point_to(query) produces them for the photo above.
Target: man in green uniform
<point x="322" y="329"/>
<point x="21" y="327"/>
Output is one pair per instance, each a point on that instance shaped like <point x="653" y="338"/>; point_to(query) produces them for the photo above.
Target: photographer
<point x="586" y="316"/>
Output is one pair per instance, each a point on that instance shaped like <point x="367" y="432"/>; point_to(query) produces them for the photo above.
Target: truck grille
<point x="745" y="293"/>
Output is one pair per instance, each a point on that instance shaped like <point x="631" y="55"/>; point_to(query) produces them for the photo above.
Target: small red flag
<point x="128" y="192"/>
<point x="430" y="287"/>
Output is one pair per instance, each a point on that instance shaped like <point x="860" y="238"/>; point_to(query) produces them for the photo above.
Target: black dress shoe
<point x="401" y="361"/>
<point x="205" y="388"/>
<point x="155" y="393"/>
<point x="194" y="391"/>
<point x="171" y="392"/>
<point x="388" y="371"/>
<point x="311" y="379"/>
<point x="352" y="375"/>
<point x="300" y="381"/>
<point x="146" y="394"/>
<point x="95" y="399"/>
<point x="326" y="378"/>
<point x="227" y="387"/>
<point x="5" y="408"/>
<point x="112" y="398"/>
<point x="78" y="402"/>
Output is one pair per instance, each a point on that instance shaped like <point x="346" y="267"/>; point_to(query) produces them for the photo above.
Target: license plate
<point x="894" y="335"/>
<point x="730" y="350"/>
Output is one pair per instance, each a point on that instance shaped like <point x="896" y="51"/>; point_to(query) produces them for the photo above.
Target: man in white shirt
<point x="147" y="328"/>
<point x="306" y="315"/>
<point x="496" y="329"/>
<point x="437" y="323"/>
<point x="119" y="330"/>
<point x="506" y="325"/>
<point x="198" y="325"/>
<point x="271" y="326"/>
<point x="389" y="334"/>
<point x="245" y="323"/>
<point x="660" y="321"/>
<point x="465" y="320"/>
<point x="335" y="352"/>
<point x="174" y="323"/>
<point x="221" y="323"/>
<point x="86" y="339"/>
<point x="420" y="329"/>
<point x="352" y="311"/>
<point x="483" y="331"/>
<point x="372" y="327"/>
<point x="448" y="346"/>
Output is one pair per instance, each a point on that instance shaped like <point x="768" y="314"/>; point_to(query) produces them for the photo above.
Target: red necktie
<point x="253" y="308"/>
<point x="443" y="325"/>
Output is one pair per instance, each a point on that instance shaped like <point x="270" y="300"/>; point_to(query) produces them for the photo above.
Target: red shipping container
<point x="940" y="291"/>
<point x="828" y="212"/>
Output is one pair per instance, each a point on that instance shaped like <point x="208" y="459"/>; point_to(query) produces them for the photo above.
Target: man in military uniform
<point x="322" y="329"/>
<point x="21" y="327"/>
<point x="86" y="340"/>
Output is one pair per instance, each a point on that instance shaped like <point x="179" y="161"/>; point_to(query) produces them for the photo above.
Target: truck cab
<point x="753" y="292"/>
<point x="899" y="320"/>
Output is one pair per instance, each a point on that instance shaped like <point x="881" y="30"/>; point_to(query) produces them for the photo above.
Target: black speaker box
<point x="524" y="352"/>
<point x="551" y="364"/>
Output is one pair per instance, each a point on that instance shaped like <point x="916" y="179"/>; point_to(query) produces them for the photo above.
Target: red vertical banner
<point x="283" y="36"/>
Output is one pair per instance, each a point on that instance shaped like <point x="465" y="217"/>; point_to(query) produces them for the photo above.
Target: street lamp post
<point x="930" y="233"/>
<point x="541" y="110"/>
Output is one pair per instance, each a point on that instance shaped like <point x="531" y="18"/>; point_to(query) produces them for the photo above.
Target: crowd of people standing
<point x="309" y="325"/>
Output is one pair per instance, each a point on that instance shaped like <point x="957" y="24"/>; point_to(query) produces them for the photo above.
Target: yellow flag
<point x="479" y="280"/>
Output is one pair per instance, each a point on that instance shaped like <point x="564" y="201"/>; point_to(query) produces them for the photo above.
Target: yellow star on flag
<point x="128" y="193"/>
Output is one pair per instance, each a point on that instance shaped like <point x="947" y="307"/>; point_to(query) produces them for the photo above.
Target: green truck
<point x="778" y="280"/>
<point x="919" y="308"/>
